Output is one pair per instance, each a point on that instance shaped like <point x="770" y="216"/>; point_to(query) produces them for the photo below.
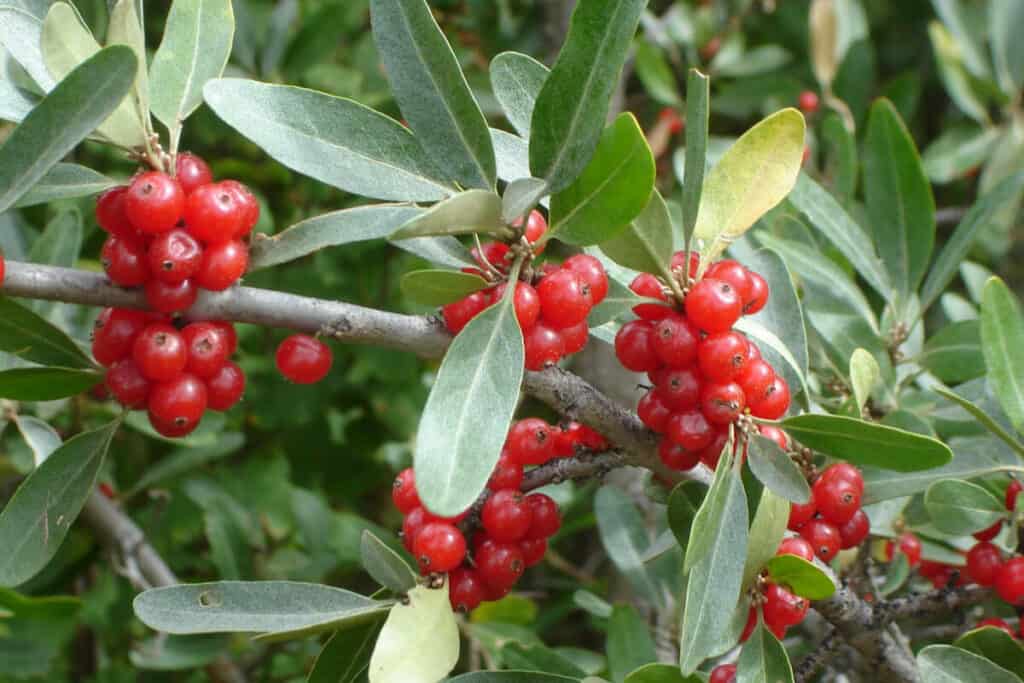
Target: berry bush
<point x="678" y="359"/>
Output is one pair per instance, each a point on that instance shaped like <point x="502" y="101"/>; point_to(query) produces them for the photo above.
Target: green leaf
<point x="610" y="192"/>
<point x="618" y="303"/>
<point x="509" y="677"/>
<point x="959" y="244"/>
<point x="624" y="536"/>
<point x="346" y="656"/>
<point x="967" y="32"/>
<point x="31" y="338"/>
<point x="385" y="565"/>
<point x="714" y="583"/>
<point x="754" y="175"/>
<point x="36" y="631"/>
<point x="656" y="74"/>
<point x="517" y="80"/>
<point x="1002" y="342"/>
<point x="961" y="508"/>
<point x="443" y="251"/>
<point x="66" y="181"/>
<point x="440" y="287"/>
<point x="826" y="214"/>
<point x="62" y="119"/>
<point x="469" y="410"/>
<point x="901" y="209"/>
<point x="766" y="532"/>
<point x="332" y="229"/>
<point x="591" y="603"/>
<point x="333" y="139"/>
<point x="840" y="151"/>
<point x="804" y="578"/>
<point x="419" y="642"/>
<point x="661" y="673"/>
<point x="15" y="103"/>
<point x="698" y="87"/>
<point x="467" y="212"/>
<point x="177" y="653"/>
<point x="948" y="664"/>
<point x="960" y="149"/>
<point x="868" y="443"/>
<point x="187" y="459"/>
<point x="35" y="521"/>
<point x="21" y="31"/>
<point x="629" y="643"/>
<point x="716" y="504"/>
<point x="948" y="57"/>
<point x="195" y="49"/>
<point x="268" y="607"/>
<point x="512" y="154"/>
<point x="896" y="576"/>
<point x="539" y="658"/>
<point x="683" y="504"/>
<point x="647" y="244"/>
<point x="1007" y="51"/>
<point x="776" y="470"/>
<point x="572" y="106"/>
<point x="520" y="196"/>
<point x="40" y="437"/>
<point x="45" y="384"/>
<point x="995" y="645"/>
<point x="954" y="353"/>
<point x="864" y="374"/>
<point x="432" y="91"/>
<point x="124" y="27"/>
<point x="763" y="659"/>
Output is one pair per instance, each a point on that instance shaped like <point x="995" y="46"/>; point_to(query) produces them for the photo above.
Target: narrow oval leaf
<point x="72" y="110"/>
<point x="333" y="229"/>
<point x="868" y="443"/>
<point x="467" y="212"/>
<point x="629" y="643"/>
<point x="958" y="150"/>
<point x="754" y="175"/>
<point x="332" y="139"/>
<point x="419" y="642"/>
<point x="683" y="503"/>
<point x="346" y="656"/>
<point x="251" y="607"/>
<point x="40" y="437"/>
<point x="385" y="565"/>
<point x="864" y="373"/>
<point x="15" y="103"/>
<point x="647" y="244"/>
<point x="509" y="677"/>
<point x="520" y="196"/>
<point x="766" y="532"/>
<point x="32" y="338"/>
<point x="45" y="384"/>
<point x="698" y="94"/>
<point x="954" y="354"/>
<point x="432" y="91"/>
<point x="661" y="673"/>
<point x="539" y="658"/>
<point x="66" y="181"/>
<point x="901" y="209"/>
<point x="776" y="470"/>
<point x="20" y="35"/>
<point x="469" y="410"/>
<point x="948" y="664"/>
<point x="824" y="42"/>
<point x="704" y="531"/>
<point x="624" y="536"/>
<point x="441" y="251"/>
<point x="125" y="28"/>
<point x="996" y="645"/>
<point x="195" y="49"/>
<point x="1002" y="342"/>
<point x="804" y="578"/>
<point x="516" y="80"/>
<point x="610" y="192"/>
<point x="35" y="521"/>
<point x="572" y="106"/>
<point x="1007" y="51"/>
<point x="763" y="659"/>
<point x="960" y="508"/>
<point x="655" y="73"/>
<point x="440" y="287"/>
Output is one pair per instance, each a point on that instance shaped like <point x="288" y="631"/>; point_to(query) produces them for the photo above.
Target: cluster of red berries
<point x="175" y="374"/>
<point x="779" y="606"/>
<point x="513" y="528"/>
<point x="832" y="519"/>
<point x="985" y="564"/>
<point x="552" y="308"/>
<point x="175" y="235"/>
<point x="705" y="374"/>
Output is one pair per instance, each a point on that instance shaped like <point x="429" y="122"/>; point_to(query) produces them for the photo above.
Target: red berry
<point x="773" y="433"/>
<point x="989" y="533"/>
<point x="191" y="172"/>
<point x="673" y="120"/>
<point x="546" y="519"/>
<point x="1010" y="581"/>
<point x="493" y="254"/>
<point x="909" y="546"/>
<point x="225" y="388"/>
<point x="647" y="285"/>
<point x="536" y="226"/>
<point x="303" y="359"/>
<point x="722" y="404"/>
<point x="853" y="532"/>
<point x="176" y="406"/>
<point x="227" y="331"/>
<point x="823" y="537"/>
<point x="690" y="430"/>
<point x="127" y="384"/>
<point x="414" y="521"/>
<point x="681" y="260"/>
<point x="997" y="623"/>
<point x="679" y="389"/>
<point x="174" y="256"/>
<point x="110" y="213"/>
<point x="525" y="302"/>
<point x="465" y="589"/>
<point x="653" y="412"/>
<point x="214" y="213"/>
<point x="222" y="265"/>
<point x="713" y="305"/>
<point x="846" y="472"/>
<point x="248" y="202"/>
<point x="675" y="341"/>
<point x="171" y="298"/>
<point x="712" y="453"/>
<point x="500" y="564"/>
<point x="795" y="545"/>
<point x="801" y="513"/>
<point x="506" y="516"/>
<point x="160" y="353"/>
<point x="723" y="673"/>
<point x="758" y="295"/>
<point x="748" y="628"/>
<point x="114" y="334"/>
<point x="676" y="457"/>
<point x="983" y="563"/>
<point x="3" y="266"/>
<point x="838" y="500"/>
<point x="574" y="338"/>
<point x="1012" y="491"/>
<point x="542" y="346"/>
<point x="782" y="608"/>
<point x="808" y="101"/>
<point x="154" y="202"/>
<point x="533" y="550"/>
<point x="634" y="346"/>
<point x="439" y="547"/>
<point x="124" y="260"/>
<point x="591" y="273"/>
<point x="531" y="441"/>
<point x="458" y="314"/>
<point x="574" y="434"/>
<point x="753" y="353"/>
<point x="734" y="273"/>
<point x="774" y="403"/>
<point x="207" y="349"/>
<point x="722" y="356"/>
<point x="564" y="300"/>
<point x="755" y="377"/>
<point x="403" y="491"/>
<point x="507" y="474"/>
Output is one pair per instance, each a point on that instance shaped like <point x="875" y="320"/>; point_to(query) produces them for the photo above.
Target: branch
<point x="930" y="604"/>
<point x="818" y="657"/>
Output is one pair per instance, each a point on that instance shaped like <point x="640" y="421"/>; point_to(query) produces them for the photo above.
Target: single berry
<point x="983" y="563"/>
<point x="675" y="457"/>
<point x="690" y="430"/>
<point x="676" y="341"/>
<point x="110" y="213"/>
<point x="634" y="346"/>
<point x="439" y="547"/>
<point x="403" y="491"/>
<point x="823" y="537"/>
<point x="748" y="628"/>
<point x="531" y="441"/>
<point x="533" y="550"/>
<point x="214" y="214"/>
<point x="838" y="500"/>
<point x="734" y="273"/>
<point x="994" y="622"/>
<point x="154" y="202"/>
<point x="506" y="516"/>
<point x="303" y="359"/>
<point x="722" y="404"/>
<point x="795" y="545"/>
<point x="647" y="285"/>
<point x="229" y="334"/>
<point x="712" y="453"/>
<point x="756" y="377"/>
<point x="458" y="314"/>
<point x="124" y="261"/>
<point x="536" y="226"/>
<point x="222" y="265"/>
<point x="542" y="346"/>
<point x="672" y="119"/>
<point x="525" y="302"/>
<point x="491" y="254"/>
<point x="564" y="299"/>
<point x="500" y="564"/>
<point x="782" y="608"/>
<point x="114" y="334"/>
<point x="465" y="589"/>
<point x="591" y="273"/>
<point x="773" y="404"/>
<point x="160" y="353"/>
<point x="653" y="411"/>
<point x="909" y="546"/>
<point x="225" y="388"/>
<point x="801" y="513"/>
<point x="679" y="389"/>
<point x="846" y="472"/>
<point x="808" y="101"/>
<point x="127" y="385"/>
<point x="688" y="260"/>
<point x="574" y="338"/>
<point x="773" y="433"/>
<point x="722" y="356"/>
<point x="176" y="406"/>
<point x="250" y="206"/>
<point x="506" y="475"/>
<point x="414" y="521"/>
<point x="174" y="256"/>
<point x="713" y="305"/>
<point x="723" y="673"/>
<point x="758" y="295"/>
<point x="853" y="532"/>
<point x="989" y="533"/>
<point x="1010" y="581"/>
<point x="207" y="349"/>
<point x="1012" y="491"/>
<point x="191" y="172"/>
<point x="171" y="298"/>
<point x="546" y="519"/>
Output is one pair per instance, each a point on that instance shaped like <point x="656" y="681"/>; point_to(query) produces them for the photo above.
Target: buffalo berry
<point x="303" y="359"/>
<point x="154" y="202"/>
<point x="225" y="387"/>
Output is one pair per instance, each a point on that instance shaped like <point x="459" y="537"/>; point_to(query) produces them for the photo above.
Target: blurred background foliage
<point x="283" y="485"/>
